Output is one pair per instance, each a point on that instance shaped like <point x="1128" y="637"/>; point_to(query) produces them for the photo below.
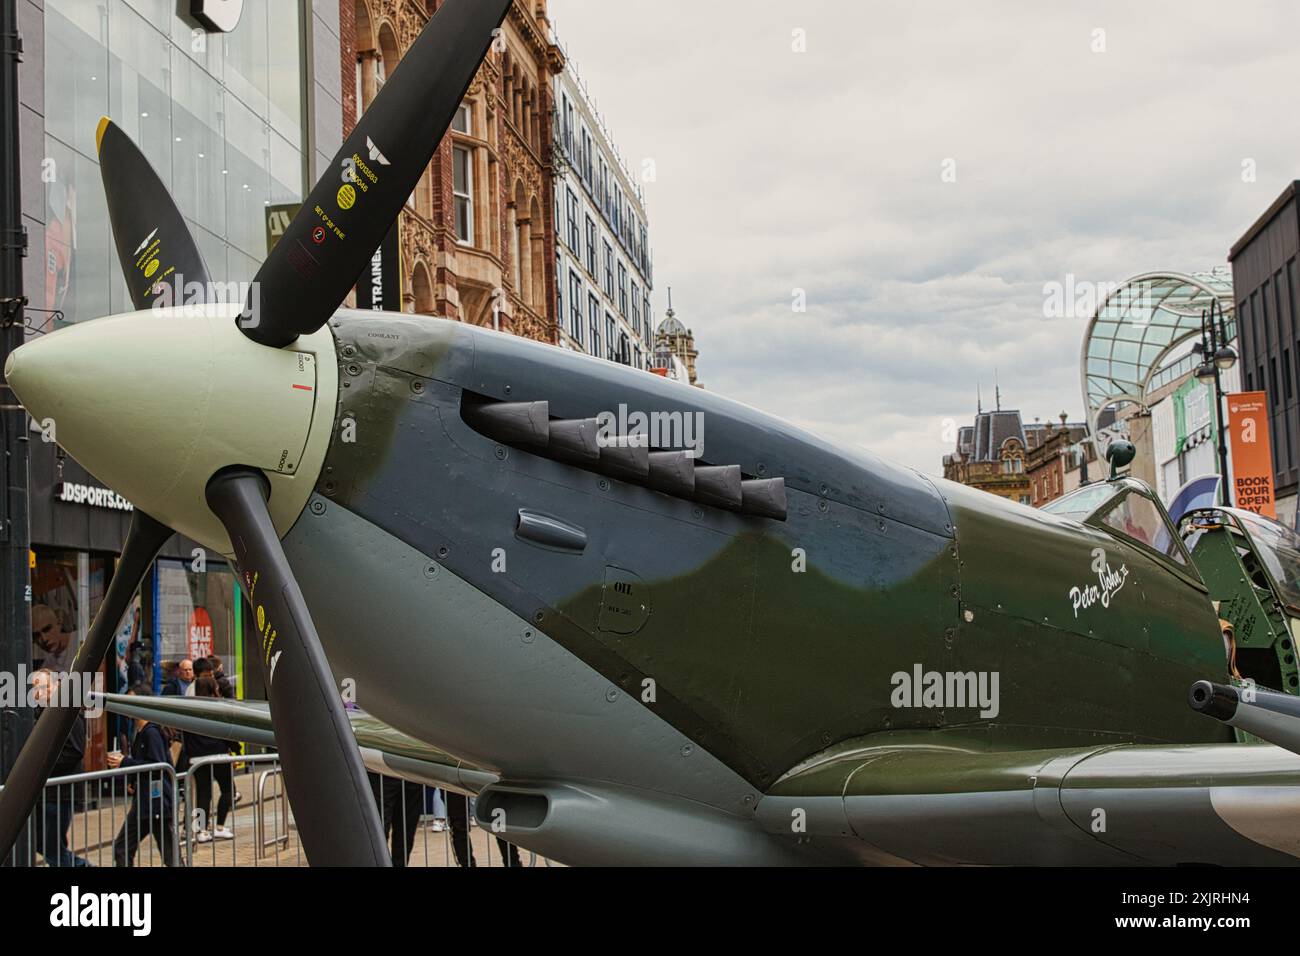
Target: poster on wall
<point x="196" y="616"/>
<point x="200" y="633"/>
<point x="1252" y="453"/>
<point x="278" y="217"/>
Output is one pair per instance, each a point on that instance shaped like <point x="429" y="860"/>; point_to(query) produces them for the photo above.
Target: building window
<point x="636" y="306"/>
<point x="593" y="321"/>
<point x="568" y="126"/>
<point x="591" y="247"/>
<point x="461" y="121"/>
<point x="462" y="190"/>
<point x="575" y="304"/>
<point x="609" y="271"/>
<point x="559" y="291"/>
<point x="575" y="237"/>
<point x="611" y="338"/>
<point x="622" y="288"/>
<point x="585" y="156"/>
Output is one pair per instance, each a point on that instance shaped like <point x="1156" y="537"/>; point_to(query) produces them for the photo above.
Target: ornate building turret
<point x="676" y="340"/>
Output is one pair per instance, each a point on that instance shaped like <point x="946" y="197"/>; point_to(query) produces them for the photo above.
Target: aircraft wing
<point x="917" y="803"/>
<point x="384" y="749"/>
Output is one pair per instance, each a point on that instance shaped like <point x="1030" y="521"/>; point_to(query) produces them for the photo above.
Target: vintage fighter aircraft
<point x="775" y="651"/>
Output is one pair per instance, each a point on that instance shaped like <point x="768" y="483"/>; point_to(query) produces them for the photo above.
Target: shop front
<point x="187" y="606"/>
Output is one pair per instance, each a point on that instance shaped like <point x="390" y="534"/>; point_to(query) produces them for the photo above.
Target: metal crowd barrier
<point x="102" y="819"/>
<point x="56" y="836"/>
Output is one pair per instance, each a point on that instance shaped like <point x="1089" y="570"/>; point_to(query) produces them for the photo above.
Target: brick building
<point x="1054" y="456"/>
<point x="477" y="236"/>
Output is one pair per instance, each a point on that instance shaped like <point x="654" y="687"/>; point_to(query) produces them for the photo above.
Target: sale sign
<point x="200" y="634"/>
<point x="1252" y="453"/>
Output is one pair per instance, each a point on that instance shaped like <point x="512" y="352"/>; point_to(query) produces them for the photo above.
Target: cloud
<point x="821" y="171"/>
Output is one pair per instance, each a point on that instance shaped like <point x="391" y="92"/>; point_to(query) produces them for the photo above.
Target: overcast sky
<point x="823" y="170"/>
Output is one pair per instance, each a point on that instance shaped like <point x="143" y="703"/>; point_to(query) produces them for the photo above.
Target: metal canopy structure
<point x="1138" y="326"/>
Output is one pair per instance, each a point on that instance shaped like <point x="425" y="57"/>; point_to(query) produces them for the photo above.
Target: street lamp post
<point x="1217" y="356"/>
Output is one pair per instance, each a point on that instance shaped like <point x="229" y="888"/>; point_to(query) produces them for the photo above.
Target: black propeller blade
<point x="143" y="541"/>
<point x="341" y="223"/>
<point x="323" y="773"/>
<point x="158" y="254"/>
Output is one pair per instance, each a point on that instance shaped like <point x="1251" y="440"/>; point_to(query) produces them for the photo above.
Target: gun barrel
<point x="1266" y="714"/>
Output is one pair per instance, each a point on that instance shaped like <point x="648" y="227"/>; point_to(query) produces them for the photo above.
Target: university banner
<point x="1252" y="452"/>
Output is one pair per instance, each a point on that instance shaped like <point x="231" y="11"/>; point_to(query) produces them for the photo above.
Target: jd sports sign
<point x="220" y="16"/>
<point x="90" y="496"/>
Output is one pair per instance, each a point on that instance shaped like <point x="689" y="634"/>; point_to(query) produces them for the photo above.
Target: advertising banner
<point x="1252" y="453"/>
<point x="380" y="285"/>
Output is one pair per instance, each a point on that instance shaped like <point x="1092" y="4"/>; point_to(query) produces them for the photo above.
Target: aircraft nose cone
<point x="154" y="403"/>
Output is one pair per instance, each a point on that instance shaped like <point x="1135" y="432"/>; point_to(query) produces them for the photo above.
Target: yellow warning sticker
<point x="347" y="196"/>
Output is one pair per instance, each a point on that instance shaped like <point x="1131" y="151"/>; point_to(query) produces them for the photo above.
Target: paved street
<point x="92" y="836"/>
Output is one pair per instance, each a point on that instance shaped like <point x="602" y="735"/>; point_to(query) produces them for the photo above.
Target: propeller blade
<point x="350" y="210"/>
<point x="39" y="754"/>
<point x="323" y="773"/>
<point x="158" y="254"/>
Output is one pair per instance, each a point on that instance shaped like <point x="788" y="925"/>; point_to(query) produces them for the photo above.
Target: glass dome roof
<point x="1138" y="325"/>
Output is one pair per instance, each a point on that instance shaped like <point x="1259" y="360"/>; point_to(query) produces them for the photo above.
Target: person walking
<point x="400" y="804"/>
<point x="199" y="745"/>
<point x="458" y="817"/>
<point x="152" y="806"/>
<point x="57" y="809"/>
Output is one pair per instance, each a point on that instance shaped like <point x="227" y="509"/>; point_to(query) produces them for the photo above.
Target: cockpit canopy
<point x="1126" y="509"/>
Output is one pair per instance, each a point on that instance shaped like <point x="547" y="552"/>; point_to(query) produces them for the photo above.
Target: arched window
<point x="422" y="289"/>
<point x="367" y="78"/>
<point x="389" y="53"/>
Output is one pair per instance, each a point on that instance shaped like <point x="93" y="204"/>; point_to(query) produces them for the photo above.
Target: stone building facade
<point x="675" y="346"/>
<point x="477" y="235"/>
<point x="1056" y="452"/>
<point x="990" y="455"/>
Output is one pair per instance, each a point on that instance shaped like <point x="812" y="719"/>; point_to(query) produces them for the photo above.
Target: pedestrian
<point x="178" y="684"/>
<point x="400" y="803"/>
<point x="458" y="817"/>
<point x="436" y="808"/>
<point x="152" y="806"/>
<point x="200" y="745"/>
<point x="57" y="809"/>
<point x="226" y="685"/>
